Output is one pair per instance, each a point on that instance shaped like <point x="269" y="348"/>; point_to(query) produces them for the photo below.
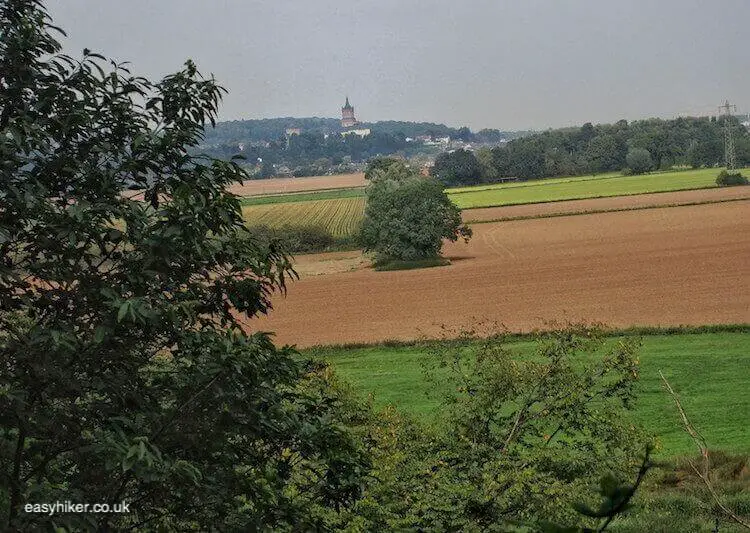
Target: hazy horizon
<point x="480" y="63"/>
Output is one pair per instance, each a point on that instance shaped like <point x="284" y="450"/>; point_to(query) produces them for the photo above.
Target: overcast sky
<point x="482" y="63"/>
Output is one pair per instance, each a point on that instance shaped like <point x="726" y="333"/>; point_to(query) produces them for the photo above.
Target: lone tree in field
<point x="125" y="374"/>
<point x="408" y="216"/>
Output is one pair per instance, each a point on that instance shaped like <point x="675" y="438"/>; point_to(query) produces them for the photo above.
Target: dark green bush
<point x="297" y="239"/>
<point x="727" y="179"/>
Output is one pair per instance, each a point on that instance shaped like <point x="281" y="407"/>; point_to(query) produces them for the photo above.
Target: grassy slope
<point x="708" y="370"/>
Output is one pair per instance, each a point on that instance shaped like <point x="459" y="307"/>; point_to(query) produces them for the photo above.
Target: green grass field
<point x="341" y="217"/>
<point x="581" y="187"/>
<point x="546" y="181"/>
<point x="708" y="370"/>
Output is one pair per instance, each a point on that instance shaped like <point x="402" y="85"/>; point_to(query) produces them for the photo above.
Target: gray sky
<point x="482" y="63"/>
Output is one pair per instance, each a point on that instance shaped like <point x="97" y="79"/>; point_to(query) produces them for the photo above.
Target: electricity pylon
<point x="729" y="159"/>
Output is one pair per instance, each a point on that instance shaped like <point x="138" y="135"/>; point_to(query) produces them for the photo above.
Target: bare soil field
<point x="659" y="267"/>
<point x="638" y="201"/>
<point x="330" y="263"/>
<point x="284" y="185"/>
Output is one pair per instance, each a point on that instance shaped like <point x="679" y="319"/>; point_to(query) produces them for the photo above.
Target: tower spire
<point x="729" y="157"/>
<point x="347" y="115"/>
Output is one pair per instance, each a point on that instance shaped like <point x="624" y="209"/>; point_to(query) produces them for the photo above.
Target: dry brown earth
<point x="637" y="201"/>
<point x="663" y="266"/>
<point x="285" y="185"/>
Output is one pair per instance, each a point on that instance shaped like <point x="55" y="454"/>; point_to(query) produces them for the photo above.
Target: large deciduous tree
<point x="125" y="373"/>
<point x="408" y="216"/>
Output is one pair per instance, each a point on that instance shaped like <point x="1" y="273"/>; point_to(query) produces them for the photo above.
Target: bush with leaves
<point x="728" y="179"/>
<point x="639" y="161"/>
<point x="295" y="239"/>
<point x="521" y="440"/>
<point x="125" y="371"/>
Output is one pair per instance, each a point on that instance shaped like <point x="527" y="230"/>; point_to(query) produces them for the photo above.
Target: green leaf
<point x="124" y="308"/>
<point x="99" y="334"/>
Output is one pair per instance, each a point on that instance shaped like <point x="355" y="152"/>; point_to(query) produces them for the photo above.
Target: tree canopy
<point x="127" y="375"/>
<point x="407" y="216"/>
<point x="459" y="167"/>
<point x="378" y="165"/>
<point x="695" y="142"/>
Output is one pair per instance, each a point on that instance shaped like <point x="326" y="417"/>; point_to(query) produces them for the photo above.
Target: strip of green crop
<point x="288" y="198"/>
<point x="575" y="189"/>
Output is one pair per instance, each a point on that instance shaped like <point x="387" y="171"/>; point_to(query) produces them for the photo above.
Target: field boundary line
<point x="561" y="180"/>
<point x="300" y="193"/>
<point x="710" y="187"/>
<point x="535" y="183"/>
<point x="633" y="331"/>
<point x="610" y="210"/>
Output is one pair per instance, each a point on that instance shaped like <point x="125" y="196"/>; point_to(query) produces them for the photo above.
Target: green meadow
<point x="710" y="372"/>
<point x="554" y="190"/>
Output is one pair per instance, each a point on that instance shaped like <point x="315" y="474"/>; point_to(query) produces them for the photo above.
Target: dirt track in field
<point x="663" y="266"/>
<point x="285" y="185"/>
<point x="606" y="204"/>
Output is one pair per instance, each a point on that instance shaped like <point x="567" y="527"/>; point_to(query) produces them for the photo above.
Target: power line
<point x="729" y="158"/>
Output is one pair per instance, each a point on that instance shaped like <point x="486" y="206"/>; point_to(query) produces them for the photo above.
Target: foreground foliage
<point x="674" y="498"/>
<point x="125" y="375"/>
<point x="519" y="443"/>
<point x="714" y="394"/>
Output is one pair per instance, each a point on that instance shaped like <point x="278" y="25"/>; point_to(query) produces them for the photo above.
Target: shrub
<point x="639" y="160"/>
<point x="519" y="439"/>
<point x="728" y="179"/>
<point x="296" y="239"/>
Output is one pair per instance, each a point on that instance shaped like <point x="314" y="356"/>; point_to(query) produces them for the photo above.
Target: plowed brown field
<point x="284" y="185"/>
<point x="663" y="266"/>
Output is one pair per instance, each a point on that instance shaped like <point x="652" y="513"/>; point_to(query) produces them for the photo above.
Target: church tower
<point x="347" y="115"/>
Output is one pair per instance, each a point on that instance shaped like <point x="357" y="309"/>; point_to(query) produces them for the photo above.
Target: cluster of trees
<point x="321" y="148"/>
<point x="272" y="129"/>
<point x="637" y="147"/>
<point x="309" y="154"/>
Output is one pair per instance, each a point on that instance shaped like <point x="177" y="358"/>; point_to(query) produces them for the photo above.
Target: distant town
<point x="312" y="146"/>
